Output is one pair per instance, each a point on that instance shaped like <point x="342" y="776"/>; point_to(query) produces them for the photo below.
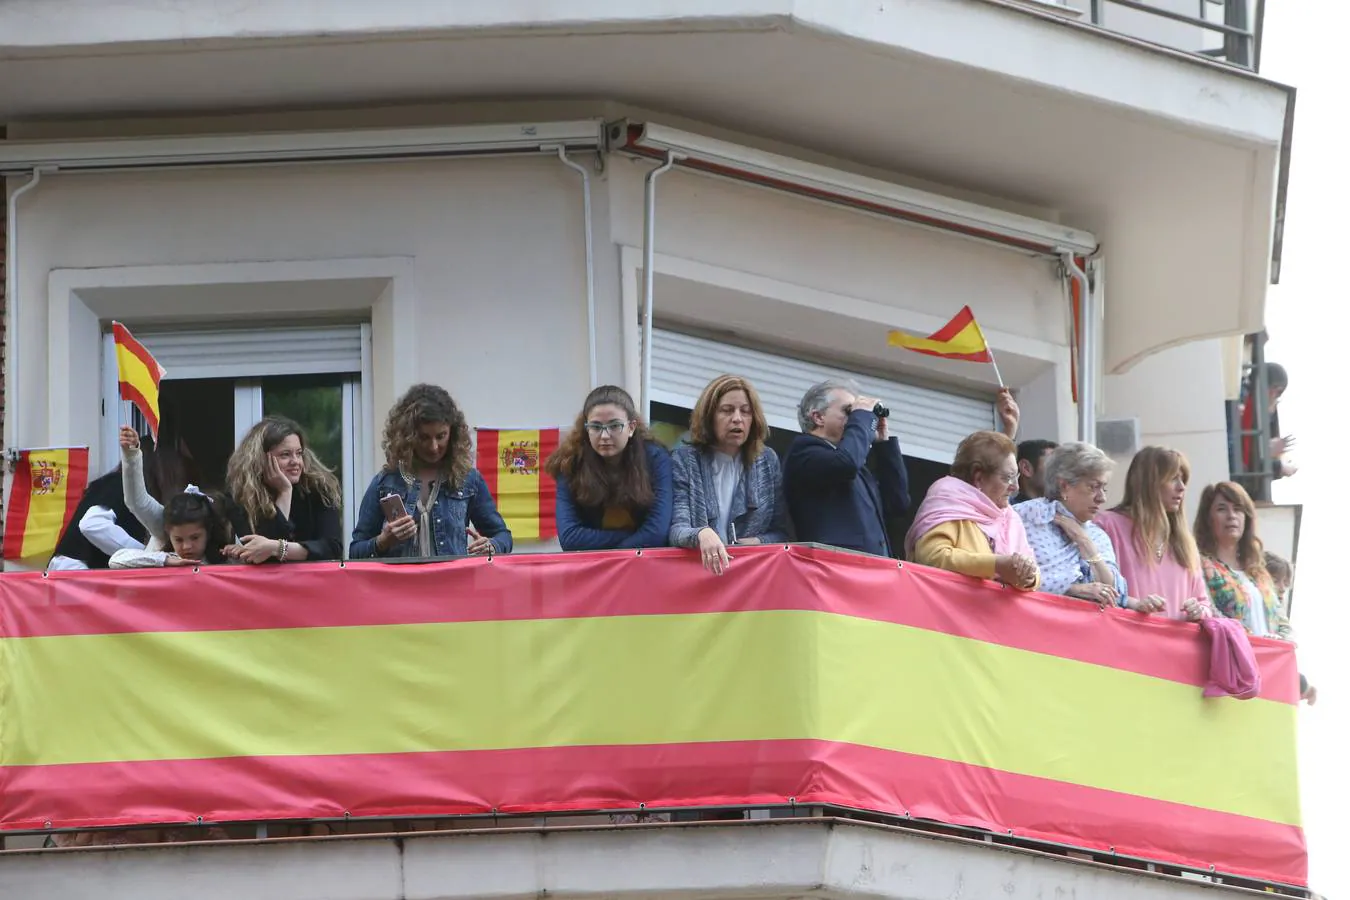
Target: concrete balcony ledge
<point x="820" y="857"/>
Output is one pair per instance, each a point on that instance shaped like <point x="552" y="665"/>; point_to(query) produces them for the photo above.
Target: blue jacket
<point x="832" y="496"/>
<point x="450" y="517"/>
<point x="579" y="526"/>
<point x="758" y="509"/>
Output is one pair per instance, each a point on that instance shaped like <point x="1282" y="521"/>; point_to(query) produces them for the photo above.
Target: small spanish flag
<point x="46" y="487"/>
<point x="960" y="338"/>
<point x="138" y="376"/>
<point x="511" y="462"/>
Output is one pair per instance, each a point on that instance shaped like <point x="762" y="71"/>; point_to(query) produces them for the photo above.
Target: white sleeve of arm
<point x="100" y="526"/>
<point x="137" y="559"/>
<point x="145" y="508"/>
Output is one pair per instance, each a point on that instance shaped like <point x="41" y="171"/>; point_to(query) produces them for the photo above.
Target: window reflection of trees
<point x="315" y="402"/>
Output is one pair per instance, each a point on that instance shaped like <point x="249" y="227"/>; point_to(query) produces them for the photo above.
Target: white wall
<point x="1178" y="395"/>
<point x="819" y="246"/>
<point x="813" y="279"/>
<point x="497" y="254"/>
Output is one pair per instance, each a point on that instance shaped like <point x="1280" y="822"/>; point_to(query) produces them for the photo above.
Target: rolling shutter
<point x="929" y="422"/>
<point x="255" y="352"/>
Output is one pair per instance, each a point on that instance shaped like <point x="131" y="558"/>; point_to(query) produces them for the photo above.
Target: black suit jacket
<point x="832" y="495"/>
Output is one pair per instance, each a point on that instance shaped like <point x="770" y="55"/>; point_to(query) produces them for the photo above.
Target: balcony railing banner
<point x="533" y="684"/>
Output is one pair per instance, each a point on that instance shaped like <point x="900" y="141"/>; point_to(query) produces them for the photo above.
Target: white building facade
<point x="315" y="205"/>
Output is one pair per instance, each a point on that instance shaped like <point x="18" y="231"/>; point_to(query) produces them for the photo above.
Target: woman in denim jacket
<point x="728" y="484"/>
<point x="429" y="467"/>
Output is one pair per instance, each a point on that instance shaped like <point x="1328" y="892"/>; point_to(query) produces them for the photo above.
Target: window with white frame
<point x="220" y="382"/>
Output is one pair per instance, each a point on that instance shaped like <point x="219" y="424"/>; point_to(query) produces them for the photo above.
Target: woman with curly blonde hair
<point x="428" y="494"/>
<point x="291" y="501"/>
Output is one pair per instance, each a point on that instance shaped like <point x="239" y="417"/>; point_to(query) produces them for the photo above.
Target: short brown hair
<point x="983" y="451"/>
<point x="1280" y="569"/>
<point x="703" y="434"/>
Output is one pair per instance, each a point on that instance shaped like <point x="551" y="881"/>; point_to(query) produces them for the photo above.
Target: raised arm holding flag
<point x="138" y="376"/>
<point x="962" y="339"/>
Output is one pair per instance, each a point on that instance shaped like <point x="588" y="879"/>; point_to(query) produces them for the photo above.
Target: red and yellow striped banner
<point x="601" y="681"/>
<point x="45" y="489"/>
<point x="138" y="375"/>
<point x="512" y="464"/>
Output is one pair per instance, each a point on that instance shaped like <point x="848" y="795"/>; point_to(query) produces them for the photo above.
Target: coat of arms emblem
<point x="521" y="458"/>
<point x="46" y="477"/>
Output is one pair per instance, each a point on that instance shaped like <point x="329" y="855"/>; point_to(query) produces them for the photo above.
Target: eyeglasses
<point x="610" y="428"/>
<point x="1008" y="478"/>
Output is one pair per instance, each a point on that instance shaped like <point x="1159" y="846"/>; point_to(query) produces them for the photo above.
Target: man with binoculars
<point x="831" y="493"/>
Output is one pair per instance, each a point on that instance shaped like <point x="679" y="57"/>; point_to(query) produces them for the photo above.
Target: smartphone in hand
<point x="393" y="507"/>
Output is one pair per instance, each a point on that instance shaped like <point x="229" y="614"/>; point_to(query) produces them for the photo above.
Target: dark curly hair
<point x="204" y="510"/>
<point x="594" y="484"/>
<point x="426" y="404"/>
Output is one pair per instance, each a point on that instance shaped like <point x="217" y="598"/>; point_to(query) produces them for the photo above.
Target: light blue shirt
<point x="1062" y="566"/>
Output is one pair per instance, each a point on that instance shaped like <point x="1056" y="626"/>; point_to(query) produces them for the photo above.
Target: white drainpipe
<point x="1087" y="363"/>
<point x="590" y="259"/>
<point x="648" y="281"/>
<point x="13" y="338"/>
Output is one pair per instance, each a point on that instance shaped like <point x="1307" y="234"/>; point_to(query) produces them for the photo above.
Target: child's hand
<point x="128" y="438"/>
<point x="173" y="559"/>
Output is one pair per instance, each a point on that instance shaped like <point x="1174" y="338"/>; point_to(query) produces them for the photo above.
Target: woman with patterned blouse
<point x="1235" y="562"/>
<point x="1074" y="554"/>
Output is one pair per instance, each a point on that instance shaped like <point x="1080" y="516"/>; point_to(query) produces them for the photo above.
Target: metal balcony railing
<point x="1249" y="460"/>
<point x="1226" y="30"/>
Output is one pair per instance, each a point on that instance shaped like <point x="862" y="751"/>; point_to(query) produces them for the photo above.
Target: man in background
<point x="1031" y="457"/>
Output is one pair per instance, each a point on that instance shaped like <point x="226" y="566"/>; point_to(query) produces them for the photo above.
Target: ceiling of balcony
<point x="1173" y="163"/>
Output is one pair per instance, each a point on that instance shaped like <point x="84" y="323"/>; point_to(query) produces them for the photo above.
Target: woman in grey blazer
<point x="728" y="485"/>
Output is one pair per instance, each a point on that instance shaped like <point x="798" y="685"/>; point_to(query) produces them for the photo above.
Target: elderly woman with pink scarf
<point x="965" y="523"/>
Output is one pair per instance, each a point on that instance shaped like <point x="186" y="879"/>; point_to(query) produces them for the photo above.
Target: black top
<point x="832" y="495"/>
<point x="313" y="524"/>
<point x="105" y="491"/>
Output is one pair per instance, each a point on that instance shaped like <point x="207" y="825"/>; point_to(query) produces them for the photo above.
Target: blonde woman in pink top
<point x="1153" y="543"/>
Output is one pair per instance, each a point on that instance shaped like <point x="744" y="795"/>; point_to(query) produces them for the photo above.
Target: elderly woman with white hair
<point x="1074" y="554"/>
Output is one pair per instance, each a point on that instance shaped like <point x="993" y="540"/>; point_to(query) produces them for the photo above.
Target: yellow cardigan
<point x="959" y="547"/>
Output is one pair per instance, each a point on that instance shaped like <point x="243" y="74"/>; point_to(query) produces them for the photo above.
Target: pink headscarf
<point x="953" y="500"/>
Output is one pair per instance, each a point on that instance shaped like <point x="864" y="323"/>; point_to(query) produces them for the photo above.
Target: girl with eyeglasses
<point x="614" y="481"/>
<point x="965" y="523"/>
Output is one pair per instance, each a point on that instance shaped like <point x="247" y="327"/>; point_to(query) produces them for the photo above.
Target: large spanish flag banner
<point x="601" y="681"/>
<point x="511" y="462"/>
<point x="138" y="376"/>
<point x="45" y="489"/>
